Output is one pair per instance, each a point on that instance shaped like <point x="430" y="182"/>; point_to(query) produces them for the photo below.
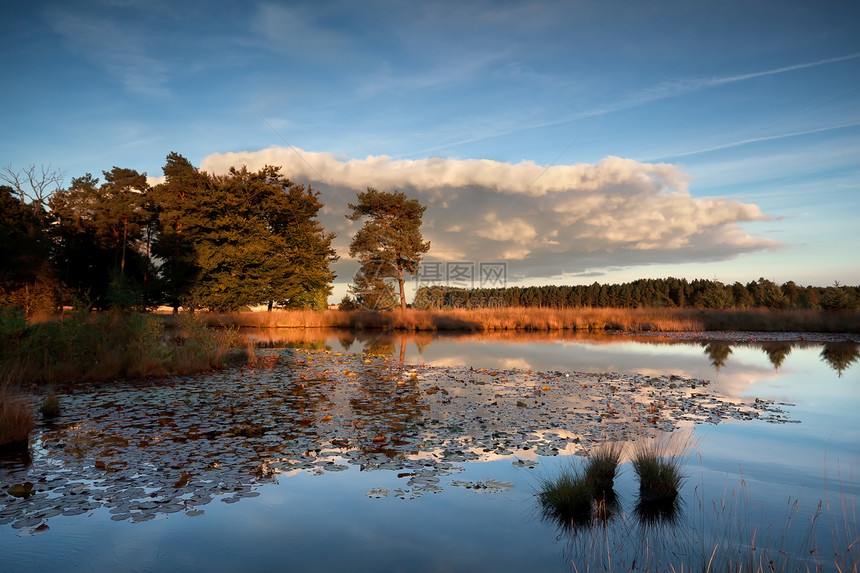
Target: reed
<point x="113" y="345"/>
<point x="548" y="319"/>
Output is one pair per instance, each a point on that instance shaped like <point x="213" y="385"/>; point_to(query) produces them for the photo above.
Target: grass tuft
<point x="658" y="469"/>
<point x="16" y="421"/>
<point x="567" y="498"/>
<point x="601" y="467"/>
<point x="50" y="407"/>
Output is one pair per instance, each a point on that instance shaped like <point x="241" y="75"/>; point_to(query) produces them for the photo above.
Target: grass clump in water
<point x="567" y="498"/>
<point x="658" y="470"/>
<point x="601" y="467"/>
<point x="50" y="407"/>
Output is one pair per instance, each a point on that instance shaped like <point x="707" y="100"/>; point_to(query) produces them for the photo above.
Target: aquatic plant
<point x="50" y="407"/>
<point x="601" y="467"/>
<point x="658" y="469"/>
<point x="567" y="498"/>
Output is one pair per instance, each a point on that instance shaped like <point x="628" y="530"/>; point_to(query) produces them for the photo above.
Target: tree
<point x="97" y="233"/>
<point x="175" y="202"/>
<point x="32" y="184"/>
<point x="389" y="244"/>
<point x="26" y="278"/>
<point x="240" y="239"/>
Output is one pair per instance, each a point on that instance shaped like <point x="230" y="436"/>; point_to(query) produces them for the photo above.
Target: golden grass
<point x="546" y="319"/>
<point x="476" y="320"/>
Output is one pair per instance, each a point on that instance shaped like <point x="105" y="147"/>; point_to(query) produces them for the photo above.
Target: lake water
<point x="119" y="479"/>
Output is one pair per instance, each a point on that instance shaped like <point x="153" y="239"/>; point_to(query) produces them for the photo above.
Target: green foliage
<point x="388" y="245"/>
<point x="241" y="239"/>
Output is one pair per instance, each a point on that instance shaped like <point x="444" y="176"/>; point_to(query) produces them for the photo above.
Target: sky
<point x="572" y="141"/>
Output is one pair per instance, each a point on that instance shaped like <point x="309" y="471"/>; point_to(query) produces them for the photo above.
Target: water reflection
<point x="462" y="348"/>
<point x="146" y="450"/>
<point x="776" y="352"/>
<point x="718" y="352"/>
<point x="840" y="355"/>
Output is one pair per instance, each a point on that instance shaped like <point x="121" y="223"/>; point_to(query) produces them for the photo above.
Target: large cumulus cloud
<point x="547" y="222"/>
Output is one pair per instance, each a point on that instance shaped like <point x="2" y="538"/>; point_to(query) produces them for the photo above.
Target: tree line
<point x="196" y="240"/>
<point x="647" y="293"/>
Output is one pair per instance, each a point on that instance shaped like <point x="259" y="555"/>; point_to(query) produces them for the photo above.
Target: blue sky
<point x="577" y="141"/>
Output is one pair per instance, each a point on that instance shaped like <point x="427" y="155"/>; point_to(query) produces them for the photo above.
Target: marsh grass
<point x="549" y="319"/>
<point x="50" y="407"/>
<point x="113" y="345"/>
<point x="733" y="532"/>
<point x="657" y="463"/>
<point x="567" y="498"/>
<point x="601" y="467"/>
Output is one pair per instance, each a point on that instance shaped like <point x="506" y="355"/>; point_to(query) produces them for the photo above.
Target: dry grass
<point x="546" y="319"/>
<point x="16" y="417"/>
<point x="497" y="319"/>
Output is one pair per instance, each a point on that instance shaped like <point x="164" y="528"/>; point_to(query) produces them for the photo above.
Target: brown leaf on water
<point x="183" y="479"/>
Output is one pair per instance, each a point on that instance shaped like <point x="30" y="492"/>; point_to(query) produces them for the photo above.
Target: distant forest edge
<point x="647" y="293"/>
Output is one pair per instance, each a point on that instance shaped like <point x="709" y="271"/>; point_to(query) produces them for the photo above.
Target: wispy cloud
<point x="763" y="138"/>
<point x="297" y="32"/>
<point x="118" y="48"/>
<point x="663" y="90"/>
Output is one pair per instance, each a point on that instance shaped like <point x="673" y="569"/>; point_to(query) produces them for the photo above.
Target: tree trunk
<point x="124" y="241"/>
<point x="402" y="291"/>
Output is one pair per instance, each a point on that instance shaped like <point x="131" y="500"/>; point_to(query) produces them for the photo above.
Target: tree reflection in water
<point x="776" y="352"/>
<point x="718" y="352"/>
<point x="840" y="355"/>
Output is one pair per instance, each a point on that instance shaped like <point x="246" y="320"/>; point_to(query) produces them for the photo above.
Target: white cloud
<point x="547" y="222"/>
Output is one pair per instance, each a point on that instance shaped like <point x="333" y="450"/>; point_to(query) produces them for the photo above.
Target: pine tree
<point x="388" y="245"/>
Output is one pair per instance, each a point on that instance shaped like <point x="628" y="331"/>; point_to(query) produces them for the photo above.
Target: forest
<point x="220" y="242"/>
<point x="648" y="293"/>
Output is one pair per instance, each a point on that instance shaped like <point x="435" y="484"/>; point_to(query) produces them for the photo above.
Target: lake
<point x="424" y="452"/>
